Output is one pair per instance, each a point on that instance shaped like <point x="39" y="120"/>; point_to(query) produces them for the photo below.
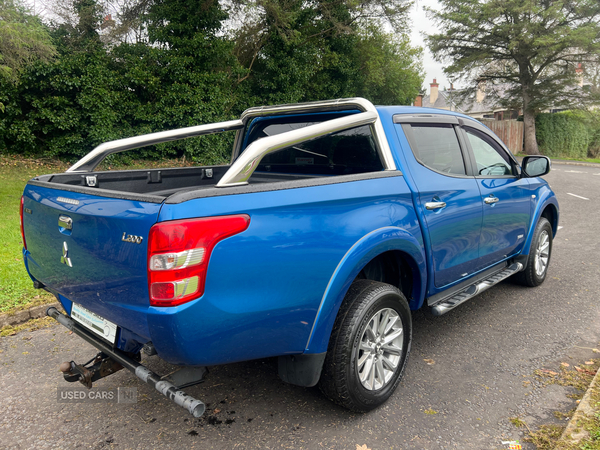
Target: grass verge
<point x="31" y="325"/>
<point x="547" y="437"/>
<point x="16" y="288"/>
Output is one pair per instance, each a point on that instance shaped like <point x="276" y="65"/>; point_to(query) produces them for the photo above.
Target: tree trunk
<point x="531" y="147"/>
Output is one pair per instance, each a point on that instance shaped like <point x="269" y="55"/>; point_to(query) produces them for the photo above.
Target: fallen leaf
<point x="595" y="350"/>
<point x="589" y="363"/>
<point x="564" y="364"/>
<point x="589" y="372"/>
<point x="362" y="447"/>
<point x="549" y="371"/>
<point x="217" y="411"/>
<point x="430" y="362"/>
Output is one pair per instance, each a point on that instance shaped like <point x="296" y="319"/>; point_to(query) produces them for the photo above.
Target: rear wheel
<point x="540" y="252"/>
<point x="369" y="346"/>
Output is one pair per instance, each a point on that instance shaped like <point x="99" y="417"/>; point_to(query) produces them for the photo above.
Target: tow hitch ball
<point x="99" y="366"/>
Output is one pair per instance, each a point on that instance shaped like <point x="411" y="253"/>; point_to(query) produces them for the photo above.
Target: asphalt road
<point x="470" y="371"/>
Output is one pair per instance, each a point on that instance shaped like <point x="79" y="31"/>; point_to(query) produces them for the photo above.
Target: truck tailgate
<point x="100" y="262"/>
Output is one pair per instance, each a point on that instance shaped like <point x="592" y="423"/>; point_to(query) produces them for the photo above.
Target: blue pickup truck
<point x="333" y="221"/>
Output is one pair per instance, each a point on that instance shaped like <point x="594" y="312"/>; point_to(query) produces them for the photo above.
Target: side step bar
<point x="193" y="406"/>
<point x="450" y="303"/>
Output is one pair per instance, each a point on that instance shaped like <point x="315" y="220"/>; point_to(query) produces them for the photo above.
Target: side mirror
<point x="535" y="166"/>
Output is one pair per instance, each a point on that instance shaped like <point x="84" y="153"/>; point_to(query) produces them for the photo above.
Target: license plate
<point x="93" y="322"/>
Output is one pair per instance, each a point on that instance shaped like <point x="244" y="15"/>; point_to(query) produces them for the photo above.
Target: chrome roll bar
<point x="342" y="104"/>
<point x="244" y="164"/>
<point x="89" y="162"/>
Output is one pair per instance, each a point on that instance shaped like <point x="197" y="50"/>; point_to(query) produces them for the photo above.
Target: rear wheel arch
<point x="388" y="244"/>
<point x="397" y="268"/>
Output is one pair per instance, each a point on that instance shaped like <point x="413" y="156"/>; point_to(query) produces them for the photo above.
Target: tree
<point x="390" y="69"/>
<point x="295" y="50"/>
<point x="23" y="39"/>
<point x="532" y="45"/>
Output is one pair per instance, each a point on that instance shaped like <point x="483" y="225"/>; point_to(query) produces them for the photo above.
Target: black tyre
<point x="369" y="346"/>
<point x="540" y="252"/>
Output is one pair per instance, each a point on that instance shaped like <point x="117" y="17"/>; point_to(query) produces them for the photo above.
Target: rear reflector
<point x="179" y="253"/>
<point x="21" y="219"/>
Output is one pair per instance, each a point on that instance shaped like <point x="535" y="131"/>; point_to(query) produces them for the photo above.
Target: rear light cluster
<point x="21" y="218"/>
<point x="178" y="255"/>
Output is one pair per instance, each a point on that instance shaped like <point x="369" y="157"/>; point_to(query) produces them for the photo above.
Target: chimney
<point x="480" y="92"/>
<point x="579" y="74"/>
<point x="418" y="100"/>
<point x="433" y="92"/>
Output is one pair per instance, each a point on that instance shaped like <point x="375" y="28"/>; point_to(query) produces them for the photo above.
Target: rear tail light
<point x="21" y="219"/>
<point x="179" y="252"/>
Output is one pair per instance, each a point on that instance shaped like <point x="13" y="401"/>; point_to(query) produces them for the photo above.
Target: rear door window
<point x="436" y="147"/>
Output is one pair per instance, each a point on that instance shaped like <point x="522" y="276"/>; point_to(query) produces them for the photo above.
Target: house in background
<point x="501" y="120"/>
<point x="477" y="105"/>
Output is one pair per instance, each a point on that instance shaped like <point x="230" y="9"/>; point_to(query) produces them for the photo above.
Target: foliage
<point x="571" y="134"/>
<point x="23" y="39"/>
<point x="533" y="46"/>
<point x="297" y="51"/>
<point x="188" y="70"/>
<point x="392" y="73"/>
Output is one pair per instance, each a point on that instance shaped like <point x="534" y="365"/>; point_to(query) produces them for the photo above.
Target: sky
<point x="421" y="24"/>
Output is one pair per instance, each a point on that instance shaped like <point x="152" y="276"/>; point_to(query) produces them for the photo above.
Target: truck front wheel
<point x="535" y="271"/>
<point x="369" y="346"/>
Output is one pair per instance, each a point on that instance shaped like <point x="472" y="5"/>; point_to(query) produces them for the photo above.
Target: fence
<point x="510" y="131"/>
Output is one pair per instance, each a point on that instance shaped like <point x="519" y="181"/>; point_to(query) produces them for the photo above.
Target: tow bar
<point x="107" y="362"/>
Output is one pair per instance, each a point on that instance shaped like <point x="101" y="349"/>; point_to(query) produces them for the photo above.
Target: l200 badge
<point x="132" y="238"/>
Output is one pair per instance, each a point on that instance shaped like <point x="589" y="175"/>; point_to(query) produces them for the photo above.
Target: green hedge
<point x="571" y="134"/>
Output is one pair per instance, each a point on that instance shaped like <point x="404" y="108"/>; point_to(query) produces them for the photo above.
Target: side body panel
<point x="377" y="242"/>
<point x="265" y="286"/>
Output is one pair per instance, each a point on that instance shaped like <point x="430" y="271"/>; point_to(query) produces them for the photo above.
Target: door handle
<point x="434" y="205"/>
<point x="491" y="199"/>
<point x="65" y="222"/>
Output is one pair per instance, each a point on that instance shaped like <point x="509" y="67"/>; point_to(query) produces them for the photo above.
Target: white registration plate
<point x="93" y="322"/>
